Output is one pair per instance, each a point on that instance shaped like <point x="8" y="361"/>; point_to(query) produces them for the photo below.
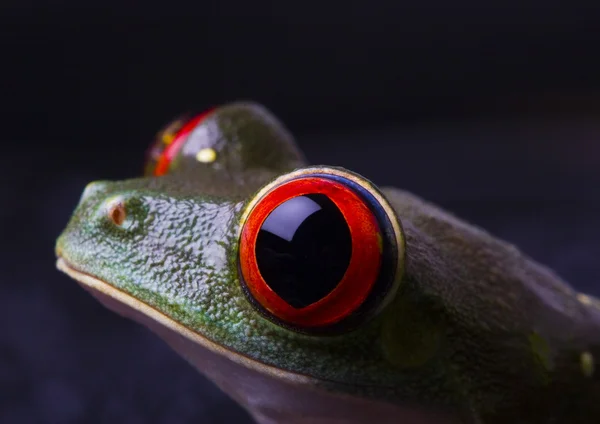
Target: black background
<point x="491" y="111"/>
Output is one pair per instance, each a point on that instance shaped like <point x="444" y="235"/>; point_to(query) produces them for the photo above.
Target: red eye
<point x="169" y="142"/>
<point x="318" y="251"/>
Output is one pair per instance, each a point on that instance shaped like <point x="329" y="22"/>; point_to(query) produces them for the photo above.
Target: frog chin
<point x="269" y="394"/>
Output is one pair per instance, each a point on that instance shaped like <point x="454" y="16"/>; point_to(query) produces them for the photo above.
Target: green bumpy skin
<point x="476" y="327"/>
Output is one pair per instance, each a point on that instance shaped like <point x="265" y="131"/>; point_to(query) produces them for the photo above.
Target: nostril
<point x="116" y="212"/>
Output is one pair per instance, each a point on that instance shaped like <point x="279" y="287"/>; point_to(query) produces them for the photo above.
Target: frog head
<point x="268" y="275"/>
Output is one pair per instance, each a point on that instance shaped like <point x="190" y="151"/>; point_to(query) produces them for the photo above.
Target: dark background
<point x="491" y="111"/>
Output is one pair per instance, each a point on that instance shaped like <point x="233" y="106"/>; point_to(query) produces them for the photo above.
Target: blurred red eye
<point x="318" y="251"/>
<point x="169" y="142"/>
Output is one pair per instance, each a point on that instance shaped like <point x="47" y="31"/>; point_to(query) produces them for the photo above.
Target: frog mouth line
<point x="89" y="281"/>
<point x="94" y="283"/>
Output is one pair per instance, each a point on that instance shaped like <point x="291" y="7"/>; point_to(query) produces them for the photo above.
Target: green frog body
<point x="310" y="295"/>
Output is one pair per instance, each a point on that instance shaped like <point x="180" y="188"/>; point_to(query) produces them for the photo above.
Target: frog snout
<point x="95" y="211"/>
<point x="94" y="188"/>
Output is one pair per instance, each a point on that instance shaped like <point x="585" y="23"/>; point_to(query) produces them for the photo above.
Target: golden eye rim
<point x="395" y="232"/>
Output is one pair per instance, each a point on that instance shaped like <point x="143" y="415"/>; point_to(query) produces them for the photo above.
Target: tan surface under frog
<point x="310" y="295"/>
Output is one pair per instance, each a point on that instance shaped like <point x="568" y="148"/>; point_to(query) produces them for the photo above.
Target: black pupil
<point x="303" y="249"/>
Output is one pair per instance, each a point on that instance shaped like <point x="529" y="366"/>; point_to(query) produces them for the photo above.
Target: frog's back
<point x="520" y="341"/>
